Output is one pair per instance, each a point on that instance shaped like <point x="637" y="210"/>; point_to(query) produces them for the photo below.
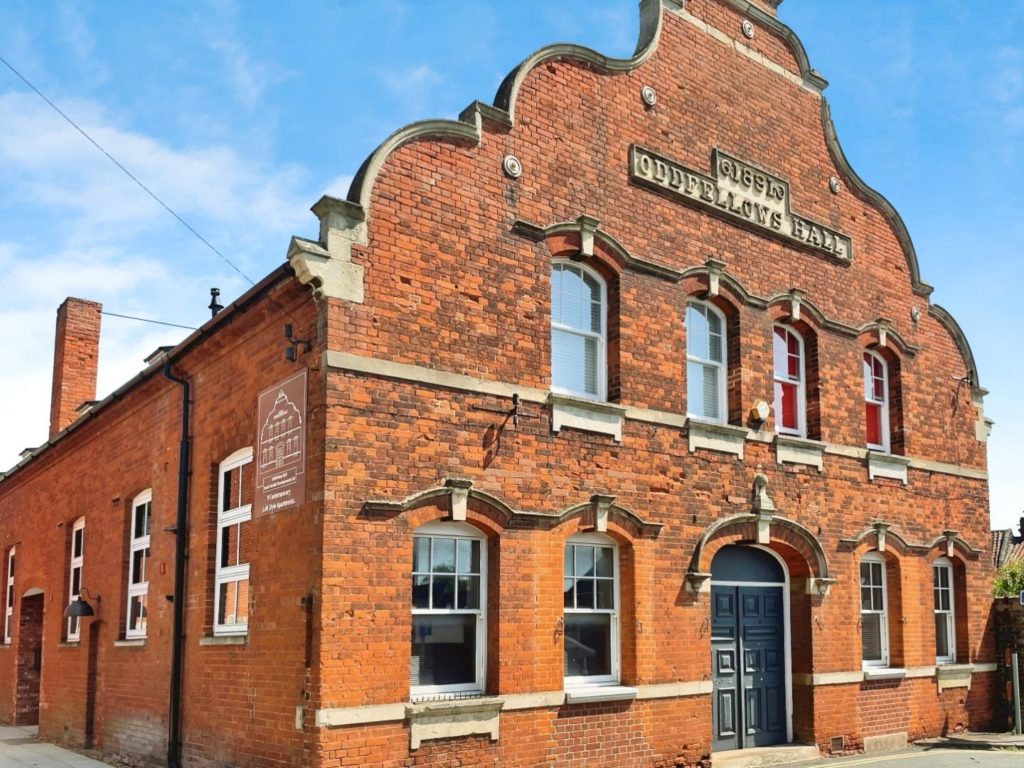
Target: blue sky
<point x="240" y="115"/>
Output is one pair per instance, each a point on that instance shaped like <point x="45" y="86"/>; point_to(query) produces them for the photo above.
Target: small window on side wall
<point x="74" y="623"/>
<point x="138" y="566"/>
<point x="449" y="610"/>
<point x="790" y="382"/>
<point x="231" y="575"/>
<point x="9" y="597"/>
<point x="876" y="401"/>
<point x="578" y="331"/>
<point x="874" y="624"/>
<point x="944" y="602"/>
<point x="591" y="597"/>
<point x="706" y="367"/>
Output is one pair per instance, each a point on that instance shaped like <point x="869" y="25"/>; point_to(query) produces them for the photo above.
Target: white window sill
<point x="953" y="675"/>
<point x="713" y="436"/>
<point x="887" y="465"/>
<point x="588" y="415"/>
<point x="454" y="717"/>
<point x="884" y="673"/>
<point x="224" y="640"/>
<point x="130" y="642"/>
<point x="70" y="644"/>
<point x="790" y="449"/>
<point x="586" y="693"/>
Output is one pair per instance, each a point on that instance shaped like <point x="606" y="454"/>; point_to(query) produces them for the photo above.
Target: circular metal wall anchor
<point x="513" y="168"/>
<point x="833" y="184"/>
<point x="748" y="29"/>
<point x="649" y="96"/>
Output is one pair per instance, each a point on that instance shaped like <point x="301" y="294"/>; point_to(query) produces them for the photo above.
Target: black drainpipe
<point x="180" y="532"/>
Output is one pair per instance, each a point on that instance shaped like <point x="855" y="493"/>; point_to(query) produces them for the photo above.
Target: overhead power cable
<point x="147" y="320"/>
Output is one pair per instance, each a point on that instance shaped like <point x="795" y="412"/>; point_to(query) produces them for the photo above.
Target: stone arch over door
<point x="808" y="582"/>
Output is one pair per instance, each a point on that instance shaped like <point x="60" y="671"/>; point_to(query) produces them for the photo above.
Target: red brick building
<point x="620" y="431"/>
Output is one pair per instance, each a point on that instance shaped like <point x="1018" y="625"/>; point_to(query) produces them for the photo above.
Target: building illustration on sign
<point x="280" y="446"/>
<point x="280" y="462"/>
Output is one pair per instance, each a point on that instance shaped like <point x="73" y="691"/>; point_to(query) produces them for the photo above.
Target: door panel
<point x="762" y="636"/>
<point x="725" y="701"/>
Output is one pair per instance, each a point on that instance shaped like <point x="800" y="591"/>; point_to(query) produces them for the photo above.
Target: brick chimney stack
<point x="76" y="354"/>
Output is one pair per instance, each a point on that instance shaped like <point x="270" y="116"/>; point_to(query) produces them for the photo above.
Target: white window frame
<point x="945" y="564"/>
<point x="875" y="558"/>
<point x="702" y="359"/>
<point x="138" y="544"/>
<point x="602" y="337"/>
<point x="583" y="681"/>
<point x="9" y="596"/>
<point x="783" y="377"/>
<point x="225" y="518"/>
<point x="74" y="623"/>
<point x="869" y="397"/>
<point x="456" y="530"/>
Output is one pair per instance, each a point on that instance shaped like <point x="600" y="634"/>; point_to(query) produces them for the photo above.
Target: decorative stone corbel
<point x="715" y="268"/>
<point x="880" y="529"/>
<point x="820" y="586"/>
<point x="796" y="297"/>
<point x="698" y="582"/>
<point x="763" y="507"/>
<point x="588" y="227"/>
<point x="326" y="266"/>
<point x="884" y="326"/>
<point x="601" y="503"/>
<point x="950" y="536"/>
<point x="459" y="497"/>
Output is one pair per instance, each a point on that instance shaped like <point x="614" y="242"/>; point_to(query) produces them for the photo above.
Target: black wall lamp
<point x="289" y="352"/>
<point x="79" y="608"/>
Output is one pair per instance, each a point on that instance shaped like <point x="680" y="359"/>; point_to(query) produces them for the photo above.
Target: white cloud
<point x="53" y="165"/>
<point x="411" y="86"/>
<point x="79" y="38"/>
<point x="248" y="77"/>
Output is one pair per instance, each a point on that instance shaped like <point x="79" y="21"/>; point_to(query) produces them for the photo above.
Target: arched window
<point x="591" y="599"/>
<point x="876" y="401"/>
<point x="790" y="381"/>
<point x="945" y="611"/>
<point x="449" y="609"/>
<point x="874" y="623"/>
<point x="578" y="331"/>
<point x="706" y="369"/>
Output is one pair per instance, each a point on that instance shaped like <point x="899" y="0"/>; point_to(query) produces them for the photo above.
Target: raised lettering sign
<point x="739" y="191"/>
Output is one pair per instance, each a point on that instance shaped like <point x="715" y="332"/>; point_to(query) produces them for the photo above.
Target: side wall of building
<point x="111" y="692"/>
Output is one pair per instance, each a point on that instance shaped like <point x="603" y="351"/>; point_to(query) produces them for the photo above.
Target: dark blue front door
<point x="748" y="665"/>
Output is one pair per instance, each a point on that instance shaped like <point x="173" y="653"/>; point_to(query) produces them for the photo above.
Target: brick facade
<point x="431" y="306"/>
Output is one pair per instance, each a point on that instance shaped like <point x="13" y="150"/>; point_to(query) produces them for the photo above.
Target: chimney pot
<point x="76" y="353"/>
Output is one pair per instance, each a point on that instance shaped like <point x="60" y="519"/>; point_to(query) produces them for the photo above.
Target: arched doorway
<point x="749" y="649"/>
<point x="30" y="658"/>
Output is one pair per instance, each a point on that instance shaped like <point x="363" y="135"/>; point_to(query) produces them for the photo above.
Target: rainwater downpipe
<point x="180" y="532"/>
